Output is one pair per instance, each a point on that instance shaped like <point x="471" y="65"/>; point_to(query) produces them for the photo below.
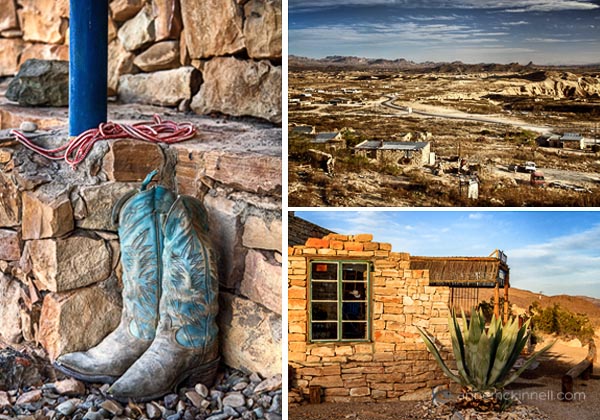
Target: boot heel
<point x="204" y="374"/>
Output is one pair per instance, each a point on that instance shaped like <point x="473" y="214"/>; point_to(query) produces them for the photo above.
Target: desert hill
<point x="577" y="304"/>
<point x="559" y="85"/>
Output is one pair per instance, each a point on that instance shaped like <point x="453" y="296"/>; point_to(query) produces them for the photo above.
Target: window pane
<point x="354" y="290"/>
<point x="354" y="330"/>
<point x="324" y="331"/>
<point x="354" y="311"/>
<point x="324" y="291"/>
<point x="324" y="311"/>
<point x="324" y="271"/>
<point x="354" y="271"/>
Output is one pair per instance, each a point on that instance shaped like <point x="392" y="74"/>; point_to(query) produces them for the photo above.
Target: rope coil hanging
<point x="77" y="149"/>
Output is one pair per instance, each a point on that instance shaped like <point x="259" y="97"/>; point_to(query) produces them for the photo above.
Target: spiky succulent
<point x="484" y="359"/>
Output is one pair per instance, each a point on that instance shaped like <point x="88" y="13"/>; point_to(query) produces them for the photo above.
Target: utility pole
<point x="88" y="64"/>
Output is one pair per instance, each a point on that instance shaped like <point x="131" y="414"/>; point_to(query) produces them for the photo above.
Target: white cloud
<point x="510" y="5"/>
<point x="475" y="216"/>
<point x="568" y="264"/>
<point x="519" y="23"/>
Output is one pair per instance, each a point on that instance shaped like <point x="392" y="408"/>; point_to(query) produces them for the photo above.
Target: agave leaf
<point x="458" y="347"/>
<point x="529" y="361"/>
<point x="517" y="338"/>
<point x="474" y="335"/>
<point x="436" y="354"/>
<point x="482" y="362"/>
<point x="495" y="335"/>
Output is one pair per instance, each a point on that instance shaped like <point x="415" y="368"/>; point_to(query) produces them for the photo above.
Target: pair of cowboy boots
<point x="168" y="333"/>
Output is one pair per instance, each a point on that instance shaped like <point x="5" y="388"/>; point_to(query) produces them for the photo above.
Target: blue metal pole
<point x="88" y="63"/>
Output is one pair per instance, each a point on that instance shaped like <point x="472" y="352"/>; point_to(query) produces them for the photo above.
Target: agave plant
<point x="484" y="359"/>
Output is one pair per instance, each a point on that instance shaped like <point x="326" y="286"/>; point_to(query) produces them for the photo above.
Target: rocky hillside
<point x="559" y="85"/>
<point x="577" y="304"/>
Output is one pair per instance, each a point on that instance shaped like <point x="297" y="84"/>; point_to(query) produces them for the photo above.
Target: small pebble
<point x="255" y="377"/>
<point x="112" y="407"/>
<point x="240" y="386"/>
<point x="195" y="398"/>
<point x="153" y="411"/>
<point x="259" y="412"/>
<point x="28" y="126"/>
<point x="234" y="399"/>
<point x="180" y="407"/>
<point x="67" y="408"/>
<point x="93" y="415"/>
<point x="202" y="390"/>
<point x="30" y="397"/>
<point x="171" y="401"/>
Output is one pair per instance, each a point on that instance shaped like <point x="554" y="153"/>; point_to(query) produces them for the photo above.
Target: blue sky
<point x="548" y="251"/>
<point x="472" y="31"/>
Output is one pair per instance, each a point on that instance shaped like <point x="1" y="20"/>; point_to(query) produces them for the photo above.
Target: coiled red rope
<point x="76" y="150"/>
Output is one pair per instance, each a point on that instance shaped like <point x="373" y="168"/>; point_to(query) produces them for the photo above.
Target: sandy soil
<point x="542" y="386"/>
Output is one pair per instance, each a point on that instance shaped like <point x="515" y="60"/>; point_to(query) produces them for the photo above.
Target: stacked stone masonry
<point x="60" y="271"/>
<point x="213" y="56"/>
<point x="394" y="364"/>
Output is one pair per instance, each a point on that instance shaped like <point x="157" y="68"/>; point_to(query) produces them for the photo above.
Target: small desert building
<point x="304" y="129"/>
<point x="353" y="310"/>
<point x="332" y="140"/>
<point x="396" y="152"/>
<point x="567" y="141"/>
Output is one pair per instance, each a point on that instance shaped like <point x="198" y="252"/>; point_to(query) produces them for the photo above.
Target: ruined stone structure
<point x="396" y="152"/>
<point x="60" y="269"/>
<point x="211" y="56"/>
<point x="354" y="308"/>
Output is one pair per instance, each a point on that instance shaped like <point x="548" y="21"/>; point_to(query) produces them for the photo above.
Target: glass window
<point x="339" y="301"/>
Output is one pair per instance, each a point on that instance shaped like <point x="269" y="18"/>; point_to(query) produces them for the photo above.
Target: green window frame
<point x="339" y="301"/>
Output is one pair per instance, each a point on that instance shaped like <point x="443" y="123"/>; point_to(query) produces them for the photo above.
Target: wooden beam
<point x="506" y="301"/>
<point x="314" y="392"/>
<point x="497" y="301"/>
<point x="583" y="369"/>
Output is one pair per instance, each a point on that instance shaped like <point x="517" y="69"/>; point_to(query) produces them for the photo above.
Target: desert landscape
<point x="485" y="124"/>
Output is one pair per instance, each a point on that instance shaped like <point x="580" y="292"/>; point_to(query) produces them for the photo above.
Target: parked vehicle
<point x="536" y="179"/>
<point x="530" y="167"/>
<point x="527" y="167"/>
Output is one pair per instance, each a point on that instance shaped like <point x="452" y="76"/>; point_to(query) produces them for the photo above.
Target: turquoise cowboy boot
<point x="186" y="346"/>
<point x="141" y="237"/>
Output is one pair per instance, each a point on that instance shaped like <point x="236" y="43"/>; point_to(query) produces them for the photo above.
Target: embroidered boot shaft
<point x="185" y="347"/>
<point x="141" y="237"/>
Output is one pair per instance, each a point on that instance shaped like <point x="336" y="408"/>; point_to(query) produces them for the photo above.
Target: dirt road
<point x="449" y="113"/>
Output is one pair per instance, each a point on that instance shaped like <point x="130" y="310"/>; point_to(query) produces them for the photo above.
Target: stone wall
<point x="60" y="271"/>
<point x="395" y="363"/>
<point x="215" y="56"/>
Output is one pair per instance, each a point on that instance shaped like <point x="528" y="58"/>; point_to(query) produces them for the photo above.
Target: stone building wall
<point x="394" y="364"/>
<point x="418" y="157"/>
<point x="60" y="270"/>
<point x="215" y="56"/>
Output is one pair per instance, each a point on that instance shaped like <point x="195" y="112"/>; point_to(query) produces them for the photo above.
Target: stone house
<point x="304" y="129"/>
<point x="396" y="152"/>
<point x="331" y="140"/>
<point x="353" y="309"/>
<point x="567" y="141"/>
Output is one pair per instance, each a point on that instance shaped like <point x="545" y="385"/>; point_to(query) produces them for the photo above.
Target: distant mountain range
<point x="337" y="62"/>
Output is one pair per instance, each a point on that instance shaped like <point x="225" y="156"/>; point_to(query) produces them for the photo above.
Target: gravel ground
<point x="30" y="389"/>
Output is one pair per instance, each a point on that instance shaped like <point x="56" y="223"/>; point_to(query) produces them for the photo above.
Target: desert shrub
<point x="560" y="321"/>
<point x="351" y="163"/>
